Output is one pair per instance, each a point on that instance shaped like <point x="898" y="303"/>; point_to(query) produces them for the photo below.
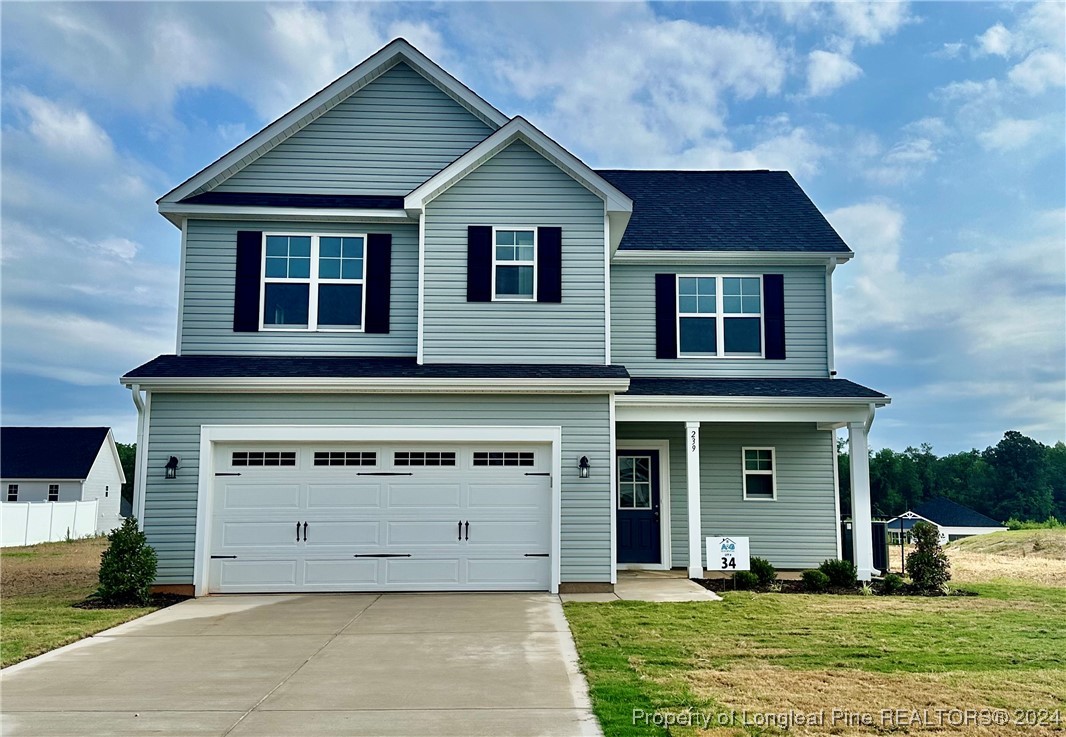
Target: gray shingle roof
<point x="804" y="388"/>
<point x="947" y="513"/>
<point x="49" y="452"/>
<point x="722" y="211"/>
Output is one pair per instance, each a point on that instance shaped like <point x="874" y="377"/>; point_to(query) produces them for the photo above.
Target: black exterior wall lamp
<point x="171" y="468"/>
<point x="583" y="467"/>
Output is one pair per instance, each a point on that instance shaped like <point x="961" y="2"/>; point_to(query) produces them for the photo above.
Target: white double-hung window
<point x="514" y="264"/>
<point x="313" y="282"/>
<point x="719" y="316"/>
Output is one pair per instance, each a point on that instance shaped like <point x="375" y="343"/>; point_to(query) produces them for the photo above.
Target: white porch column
<point x="861" y="535"/>
<point x="695" y="532"/>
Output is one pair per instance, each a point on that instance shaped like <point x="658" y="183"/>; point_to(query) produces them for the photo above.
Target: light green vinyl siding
<point x="798" y="530"/>
<point x="170" y="506"/>
<point x="386" y="139"/>
<point x="207" y="318"/>
<point x="517" y="187"/>
<point x="633" y="324"/>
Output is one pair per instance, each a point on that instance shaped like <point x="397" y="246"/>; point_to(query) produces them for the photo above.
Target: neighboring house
<point x="952" y="519"/>
<point x="421" y="346"/>
<point x="63" y="464"/>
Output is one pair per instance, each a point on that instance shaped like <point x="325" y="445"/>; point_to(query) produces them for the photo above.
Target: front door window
<point x="634" y="482"/>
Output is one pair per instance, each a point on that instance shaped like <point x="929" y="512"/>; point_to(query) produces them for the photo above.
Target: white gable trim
<point x="110" y="442"/>
<point x="326" y="99"/>
<point x="619" y="207"/>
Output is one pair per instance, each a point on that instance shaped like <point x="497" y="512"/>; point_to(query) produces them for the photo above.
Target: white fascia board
<point x="179" y="212"/>
<point x="520" y="129"/>
<point x="110" y="442"/>
<point x="768" y="258"/>
<point x="699" y="409"/>
<point x="325" y="99"/>
<point x="378" y="385"/>
<point x="688" y="400"/>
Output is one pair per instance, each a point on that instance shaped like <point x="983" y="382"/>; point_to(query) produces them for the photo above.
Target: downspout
<point x="830" y="267"/>
<point x="141" y="467"/>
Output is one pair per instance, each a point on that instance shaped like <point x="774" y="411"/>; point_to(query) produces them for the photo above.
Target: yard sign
<point x="728" y="554"/>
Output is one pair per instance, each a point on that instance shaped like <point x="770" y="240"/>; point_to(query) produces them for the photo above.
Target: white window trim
<point x="48" y="494"/>
<point x="772" y="473"/>
<point x="533" y="263"/>
<point x="720" y="316"/>
<point x="313" y="282"/>
<point x="12" y="489"/>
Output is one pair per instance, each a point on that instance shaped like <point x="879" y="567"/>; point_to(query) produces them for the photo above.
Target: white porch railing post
<point x="692" y="466"/>
<point x="861" y="514"/>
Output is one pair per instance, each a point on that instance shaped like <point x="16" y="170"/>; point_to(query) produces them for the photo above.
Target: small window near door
<point x="634" y="482"/>
<point x="423" y="458"/>
<point x="264" y="458"/>
<point x="12" y="492"/>
<point x="503" y="458"/>
<point x="760" y="474"/>
<point x="53" y="492"/>
<point x="345" y="458"/>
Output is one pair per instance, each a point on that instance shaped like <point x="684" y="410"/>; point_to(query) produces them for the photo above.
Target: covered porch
<point x="739" y="457"/>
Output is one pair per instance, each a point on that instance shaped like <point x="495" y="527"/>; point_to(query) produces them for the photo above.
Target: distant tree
<point x="1020" y="478"/>
<point x="1055" y="463"/>
<point x="844" y="476"/>
<point x="127" y="454"/>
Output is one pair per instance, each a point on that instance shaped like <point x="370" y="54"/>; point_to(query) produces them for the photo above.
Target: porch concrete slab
<point x="599" y="598"/>
<point x="664" y="586"/>
<point x="460" y="613"/>
<point x="118" y="723"/>
<point x="403" y="723"/>
<point x="436" y="671"/>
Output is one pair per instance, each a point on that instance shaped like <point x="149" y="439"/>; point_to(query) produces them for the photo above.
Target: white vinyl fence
<point x="29" y="523"/>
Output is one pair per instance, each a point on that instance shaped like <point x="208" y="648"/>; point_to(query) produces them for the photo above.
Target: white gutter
<point x="141" y="463"/>
<point x="672" y="399"/>
<point x="379" y="385"/>
<point x="178" y="211"/>
<point x="770" y="258"/>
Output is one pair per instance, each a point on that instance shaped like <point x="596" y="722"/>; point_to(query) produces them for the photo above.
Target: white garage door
<point x="328" y="517"/>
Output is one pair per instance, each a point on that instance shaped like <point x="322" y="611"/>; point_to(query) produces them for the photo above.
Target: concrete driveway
<point x="306" y="665"/>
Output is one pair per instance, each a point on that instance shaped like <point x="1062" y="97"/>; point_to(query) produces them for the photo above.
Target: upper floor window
<point x="53" y="492"/>
<point x="12" y="492"/>
<point x="719" y="316"/>
<point x="514" y="264"/>
<point x="313" y="282"/>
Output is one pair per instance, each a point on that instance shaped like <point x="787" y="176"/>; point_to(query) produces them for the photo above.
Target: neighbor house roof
<point x="722" y="211"/>
<point x="800" y="388"/>
<point x="49" y="452"/>
<point x="330" y="367"/>
<point x="947" y="513"/>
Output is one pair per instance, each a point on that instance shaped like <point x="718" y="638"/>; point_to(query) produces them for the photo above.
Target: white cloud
<point x="1009" y="134"/>
<point x="1041" y="70"/>
<point x="62" y="130"/>
<point x="828" y="71"/>
<point x="950" y="50"/>
<point x="996" y="40"/>
<point x="871" y="22"/>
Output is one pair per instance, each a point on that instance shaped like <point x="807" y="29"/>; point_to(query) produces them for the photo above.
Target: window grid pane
<point x="423" y="458"/>
<point x="12" y="492"/>
<point x="345" y="458"/>
<point x="263" y="458"/>
<point x="503" y="458"/>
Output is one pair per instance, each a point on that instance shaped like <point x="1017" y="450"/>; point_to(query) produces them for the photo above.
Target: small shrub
<point x="1051" y="523"/>
<point x="841" y="573"/>
<point x="815" y="581"/>
<point x="127" y="567"/>
<point x="928" y="566"/>
<point x="866" y="589"/>
<point x="745" y="580"/>
<point x="764" y="571"/>
<point x="892" y="583"/>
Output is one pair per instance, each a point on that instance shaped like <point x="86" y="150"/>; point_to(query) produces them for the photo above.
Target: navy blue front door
<point x="639" y="537"/>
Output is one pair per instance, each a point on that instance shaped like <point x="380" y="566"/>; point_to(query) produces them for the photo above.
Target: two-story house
<point x="421" y="346"/>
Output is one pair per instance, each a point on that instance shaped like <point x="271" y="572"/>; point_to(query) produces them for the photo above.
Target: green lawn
<point x="774" y="653"/>
<point x="38" y="585"/>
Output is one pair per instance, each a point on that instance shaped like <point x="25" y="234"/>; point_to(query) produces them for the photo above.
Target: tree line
<point x="1018" y="478"/>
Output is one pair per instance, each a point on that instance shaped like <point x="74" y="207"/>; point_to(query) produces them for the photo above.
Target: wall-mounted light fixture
<point x="172" y="467"/>
<point x="583" y="467"/>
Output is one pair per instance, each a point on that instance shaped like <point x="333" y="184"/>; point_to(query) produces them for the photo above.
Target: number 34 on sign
<point x="728" y="554"/>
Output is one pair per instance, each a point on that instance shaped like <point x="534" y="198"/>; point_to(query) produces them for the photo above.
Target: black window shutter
<point x="246" y="284"/>
<point x="479" y="263"/>
<point x="665" y="316"/>
<point x="378" y="282"/>
<point x="549" y="264"/>
<point x="773" y="286"/>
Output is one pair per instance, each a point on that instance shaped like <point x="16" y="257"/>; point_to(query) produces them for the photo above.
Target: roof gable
<point x="722" y="211"/>
<point x="49" y="452"/>
<point x="396" y="52"/>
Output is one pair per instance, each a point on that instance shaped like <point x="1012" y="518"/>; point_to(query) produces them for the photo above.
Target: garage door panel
<point x="508" y="533"/>
<point x="341" y="573"/>
<point x="265" y="575"/>
<point x="533" y="573"/>
<point x="424" y="496"/>
<point x="442" y="572"/>
<point x="344" y="496"/>
<point x="423" y="533"/>
<point x="507" y="497"/>
<point x="325" y="533"/>
<point x="255" y="534"/>
<point x="260" y="496"/>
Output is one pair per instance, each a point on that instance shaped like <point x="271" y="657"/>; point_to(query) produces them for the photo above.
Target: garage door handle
<point x="537" y="473"/>
<point x="468" y="529"/>
<point x="460" y="529"/>
<point x="297" y="532"/>
<point x="382" y="555"/>
<point x="305" y="532"/>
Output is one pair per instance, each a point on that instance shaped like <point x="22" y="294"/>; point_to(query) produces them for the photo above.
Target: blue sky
<point x="930" y="134"/>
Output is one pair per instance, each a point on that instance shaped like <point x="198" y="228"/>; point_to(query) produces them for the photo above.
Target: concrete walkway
<point x="659" y="586"/>
<point x="307" y="665"/>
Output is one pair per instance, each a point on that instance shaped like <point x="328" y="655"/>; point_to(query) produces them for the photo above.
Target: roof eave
<point x="380" y="385"/>
<point x="658" y="256"/>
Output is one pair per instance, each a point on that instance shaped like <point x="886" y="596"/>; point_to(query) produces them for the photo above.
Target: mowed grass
<point x="38" y="586"/>
<point x="773" y="653"/>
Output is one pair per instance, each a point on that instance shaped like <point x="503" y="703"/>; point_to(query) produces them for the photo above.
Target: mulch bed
<point x="720" y="585"/>
<point x="159" y="601"/>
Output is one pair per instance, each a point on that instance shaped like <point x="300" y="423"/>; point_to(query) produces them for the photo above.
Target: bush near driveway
<point x="928" y="566"/>
<point x="127" y="567"/>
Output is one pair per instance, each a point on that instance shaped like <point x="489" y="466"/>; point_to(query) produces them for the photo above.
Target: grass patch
<point x="41" y="583"/>
<point x="773" y="653"/>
